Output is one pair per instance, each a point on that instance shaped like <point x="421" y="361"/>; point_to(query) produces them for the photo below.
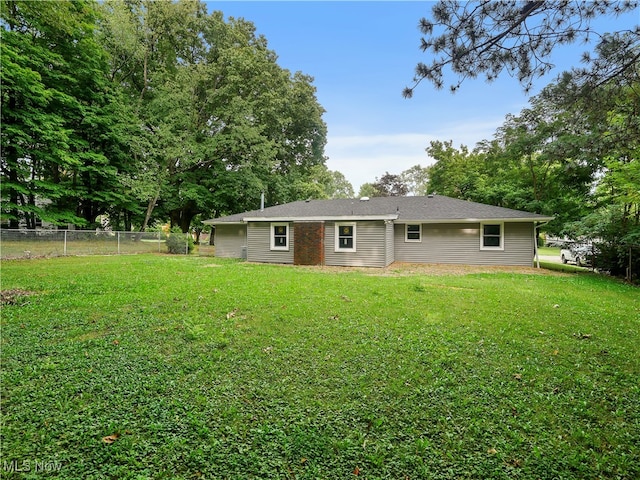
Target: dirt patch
<point x="401" y="269"/>
<point x="437" y="269"/>
<point x="15" y="296"/>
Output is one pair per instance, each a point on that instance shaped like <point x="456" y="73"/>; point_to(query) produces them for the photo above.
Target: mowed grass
<point x="157" y="366"/>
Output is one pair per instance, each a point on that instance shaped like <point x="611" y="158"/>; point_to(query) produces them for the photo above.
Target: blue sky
<point x="361" y="55"/>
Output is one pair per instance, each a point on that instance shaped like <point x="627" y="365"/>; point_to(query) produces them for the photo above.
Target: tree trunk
<point x="150" y="206"/>
<point x="183" y="216"/>
<point x="147" y="216"/>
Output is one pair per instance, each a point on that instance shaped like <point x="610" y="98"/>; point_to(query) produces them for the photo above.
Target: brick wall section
<point x="308" y="247"/>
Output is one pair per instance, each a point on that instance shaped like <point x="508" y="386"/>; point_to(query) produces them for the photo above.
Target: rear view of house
<point x="378" y="231"/>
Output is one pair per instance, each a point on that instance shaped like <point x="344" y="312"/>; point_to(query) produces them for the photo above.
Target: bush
<point x="178" y="242"/>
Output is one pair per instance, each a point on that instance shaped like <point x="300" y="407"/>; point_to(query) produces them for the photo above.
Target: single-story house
<point x="375" y="232"/>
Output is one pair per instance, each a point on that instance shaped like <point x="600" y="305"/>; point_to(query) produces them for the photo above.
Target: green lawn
<point x="157" y="366"/>
<point x="550" y="251"/>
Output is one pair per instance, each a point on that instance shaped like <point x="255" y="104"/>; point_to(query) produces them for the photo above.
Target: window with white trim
<point x="413" y="232"/>
<point x="492" y="236"/>
<point x="280" y="236"/>
<point x="345" y="237"/>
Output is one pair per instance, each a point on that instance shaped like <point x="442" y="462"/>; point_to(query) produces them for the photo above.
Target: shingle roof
<point x="402" y="209"/>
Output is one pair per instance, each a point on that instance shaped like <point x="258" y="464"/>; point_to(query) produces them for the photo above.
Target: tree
<point x="456" y="173"/>
<point x="149" y="44"/>
<point x="416" y="180"/>
<point x="251" y="127"/>
<point x="29" y="127"/>
<point x="390" y="185"/>
<point x="62" y="140"/>
<point x="610" y="129"/>
<point x="320" y="182"/>
<point x="490" y="37"/>
<point x="136" y="108"/>
<point x="222" y="121"/>
<point x="337" y="186"/>
<point x="368" y="190"/>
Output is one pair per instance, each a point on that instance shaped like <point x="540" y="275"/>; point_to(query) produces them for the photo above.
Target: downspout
<point x="535" y="243"/>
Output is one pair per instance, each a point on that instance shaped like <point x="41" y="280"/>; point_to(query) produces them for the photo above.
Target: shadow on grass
<point x="560" y="267"/>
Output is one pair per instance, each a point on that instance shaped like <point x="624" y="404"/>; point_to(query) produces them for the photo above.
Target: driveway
<point x="551" y="258"/>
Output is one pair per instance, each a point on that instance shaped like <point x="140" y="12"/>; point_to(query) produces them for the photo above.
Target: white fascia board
<point x="478" y="220"/>
<point x="213" y="222"/>
<point x="345" y="218"/>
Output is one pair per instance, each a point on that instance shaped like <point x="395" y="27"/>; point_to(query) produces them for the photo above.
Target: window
<point x="491" y="237"/>
<point x="413" y="233"/>
<point x="345" y="237"/>
<point x="279" y="236"/>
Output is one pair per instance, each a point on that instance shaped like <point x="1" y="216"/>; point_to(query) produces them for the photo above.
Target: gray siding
<point x="259" y="244"/>
<point x="230" y="240"/>
<point x="460" y="244"/>
<point x="371" y="248"/>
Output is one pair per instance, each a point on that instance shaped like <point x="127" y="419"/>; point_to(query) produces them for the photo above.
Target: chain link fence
<point x="54" y="243"/>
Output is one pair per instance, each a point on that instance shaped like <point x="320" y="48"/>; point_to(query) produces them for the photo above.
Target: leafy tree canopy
<point x="64" y="125"/>
<point x="148" y="110"/>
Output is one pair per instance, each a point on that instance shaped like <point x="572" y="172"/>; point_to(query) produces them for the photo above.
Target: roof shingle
<point x="402" y="209"/>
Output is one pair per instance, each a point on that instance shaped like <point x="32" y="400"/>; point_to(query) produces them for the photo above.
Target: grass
<point x="157" y="366"/>
<point x="549" y="251"/>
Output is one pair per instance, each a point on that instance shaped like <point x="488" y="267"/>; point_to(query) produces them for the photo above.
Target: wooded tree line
<point x="144" y="110"/>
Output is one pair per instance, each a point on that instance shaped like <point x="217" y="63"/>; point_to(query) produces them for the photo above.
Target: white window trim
<point x="273" y="237"/>
<point x="406" y="233"/>
<point x="499" y="247"/>
<point x="337" y="236"/>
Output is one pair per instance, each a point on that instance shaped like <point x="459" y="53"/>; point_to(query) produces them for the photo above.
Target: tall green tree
<point x="62" y="143"/>
<point x="337" y="185"/>
<point x="148" y="43"/>
<point x="416" y="179"/>
<point x="456" y="172"/>
<point x="222" y="121"/>
<point x="611" y="131"/>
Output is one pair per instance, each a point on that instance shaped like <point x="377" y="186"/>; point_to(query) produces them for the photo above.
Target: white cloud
<point x="362" y="158"/>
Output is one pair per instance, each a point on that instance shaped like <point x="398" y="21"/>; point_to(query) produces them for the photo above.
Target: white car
<point x="580" y="254"/>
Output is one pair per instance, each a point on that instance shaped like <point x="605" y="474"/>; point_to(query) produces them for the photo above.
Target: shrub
<point x="178" y="242"/>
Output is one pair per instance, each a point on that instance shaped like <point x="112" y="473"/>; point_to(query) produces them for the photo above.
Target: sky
<point x="361" y="55"/>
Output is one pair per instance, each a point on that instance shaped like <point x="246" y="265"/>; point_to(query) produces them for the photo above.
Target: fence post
<point x="159" y="233"/>
<point x="186" y="243"/>
<point x="65" y="243"/>
<point x="118" y="242"/>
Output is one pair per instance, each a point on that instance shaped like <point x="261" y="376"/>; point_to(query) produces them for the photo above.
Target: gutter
<point x="321" y="218"/>
<point x="535" y="242"/>
<point x="475" y="220"/>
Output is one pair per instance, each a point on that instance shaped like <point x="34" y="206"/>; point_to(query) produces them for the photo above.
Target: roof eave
<point x="477" y="220"/>
<point x="353" y="218"/>
<point x="215" y="221"/>
<point x="322" y="218"/>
